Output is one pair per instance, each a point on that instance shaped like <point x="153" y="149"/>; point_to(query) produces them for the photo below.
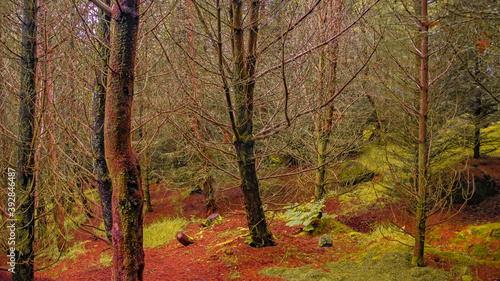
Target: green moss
<point x="106" y="259"/>
<point x="493" y="132"/>
<point x="367" y="193"/>
<point x="482" y="251"/>
<point x="467" y="278"/>
<point x="460" y="258"/>
<point x="487" y="231"/>
<point x="337" y="226"/>
<point x="391" y="266"/>
<point x="162" y="232"/>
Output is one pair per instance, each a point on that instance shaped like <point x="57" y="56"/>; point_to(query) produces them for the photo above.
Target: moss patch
<point x="106" y="259"/>
<point x="487" y="231"/>
<point x="392" y="266"/>
<point x="160" y="233"/>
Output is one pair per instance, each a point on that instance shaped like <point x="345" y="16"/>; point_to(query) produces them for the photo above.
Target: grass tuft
<point x="162" y="232"/>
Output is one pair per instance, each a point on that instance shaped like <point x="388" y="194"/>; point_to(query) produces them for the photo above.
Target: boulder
<point x="473" y="187"/>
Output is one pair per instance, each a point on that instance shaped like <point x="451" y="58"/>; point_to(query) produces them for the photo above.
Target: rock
<point x="353" y="173"/>
<point x="473" y="187"/>
<point x="325" y="241"/>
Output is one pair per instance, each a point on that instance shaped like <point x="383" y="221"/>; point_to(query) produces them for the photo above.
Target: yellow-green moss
<point x="391" y="266"/>
<point x="106" y="259"/>
<point x="460" y="258"/>
<point x="162" y="232"/>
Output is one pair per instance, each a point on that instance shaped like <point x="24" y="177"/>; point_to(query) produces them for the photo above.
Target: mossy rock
<point x="489" y="230"/>
<point x="353" y="173"/>
<point x="325" y="241"/>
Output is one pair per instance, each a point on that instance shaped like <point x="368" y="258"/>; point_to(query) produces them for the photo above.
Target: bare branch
<point x="319" y="45"/>
<point x="105" y="8"/>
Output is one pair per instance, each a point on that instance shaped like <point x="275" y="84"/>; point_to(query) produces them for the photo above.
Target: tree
<point x="242" y="122"/>
<point x="127" y="198"/>
<point x="477" y="68"/>
<point x="25" y="228"/>
<point x="123" y="163"/>
<point x="98" y="113"/>
<point x="423" y="147"/>
<point x="416" y="139"/>
<point x="327" y="69"/>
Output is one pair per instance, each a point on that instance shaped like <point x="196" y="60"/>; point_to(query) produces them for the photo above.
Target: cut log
<point x="184" y="239"/>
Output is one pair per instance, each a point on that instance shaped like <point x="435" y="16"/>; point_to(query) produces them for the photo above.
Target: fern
<point x="304" y="214"/>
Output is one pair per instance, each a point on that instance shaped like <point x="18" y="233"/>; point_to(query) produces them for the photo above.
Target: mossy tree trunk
<point x="147" y="179"/>
<point x="123" y="163"/>
<point x="327" y="70"/>
<point x="146" y="166"/>
<point x="98" y="112"/>
<point x="25" y="192"/>
<point x="423" y="146"/>
<point x="478" y="116"/>
<point x="244" y="83"/>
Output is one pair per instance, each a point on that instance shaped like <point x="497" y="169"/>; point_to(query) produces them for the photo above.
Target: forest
<point x="252" y="140"/>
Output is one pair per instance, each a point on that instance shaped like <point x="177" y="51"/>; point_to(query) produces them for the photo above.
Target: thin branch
<point x="275" y="129"/>
<point x="319" y="45"/>
<point x="479" y="83"/>
<point x="223" y="76"/>
<point x="290" y="28"/>
<point x="105" y="8"/>
<point x="284" y="80"/>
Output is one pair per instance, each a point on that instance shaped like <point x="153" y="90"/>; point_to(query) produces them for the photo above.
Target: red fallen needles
<point x="184" y="239"/>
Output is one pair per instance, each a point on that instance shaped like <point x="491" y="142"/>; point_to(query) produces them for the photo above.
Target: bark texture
<point x="25" y="225"/>
<point x="98" y="112"/>
<point x="423" y="146"/>
<point x="244" y="83"/>
<point x="123" y="164"/>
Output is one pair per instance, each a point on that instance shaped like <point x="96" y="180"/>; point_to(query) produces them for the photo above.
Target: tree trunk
<point x="327" y="85"/>
<point x="477" y="121"/>
<point x="123" y="164"/>
<point x="98" y="112"/>
<point x="259" y="231"/>
<point x="25" y="225"/>
<point x="206" y="184"/>
<point x="145" y="170"/>
<point x="244" y="83"/>
<point x="421" y="211"/>
<point x="147" y="179"/>
<point x="320" y="172"/>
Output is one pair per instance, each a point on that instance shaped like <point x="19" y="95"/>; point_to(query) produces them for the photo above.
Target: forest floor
<point x="365" y="245"/>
